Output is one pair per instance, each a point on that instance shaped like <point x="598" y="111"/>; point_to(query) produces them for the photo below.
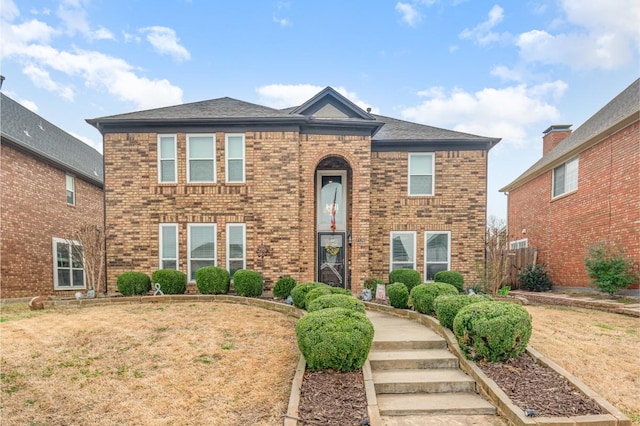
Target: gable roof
<point x="30" y="132"/>
<point x="621" y="111"/>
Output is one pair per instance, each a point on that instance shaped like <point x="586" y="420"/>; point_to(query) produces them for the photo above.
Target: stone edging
<point x="548" y="299"/>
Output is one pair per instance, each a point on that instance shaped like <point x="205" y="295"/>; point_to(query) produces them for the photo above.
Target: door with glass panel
<point x="331" y="225"/>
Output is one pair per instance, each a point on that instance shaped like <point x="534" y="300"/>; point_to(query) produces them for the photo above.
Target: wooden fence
<point x="517" y="259"/>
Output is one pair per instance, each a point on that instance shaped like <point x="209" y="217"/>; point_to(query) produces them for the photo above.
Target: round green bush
<point x="423" y="295"/>
<point x="447" y="306"/>
<point x="535" y="278"/>
<point x="336" y="301"/>
<point x="299" y="293"/>
<point x="212" y="280"/>
<point x="372" y="284"/>
<point x="492" y="331"/>
<point x="398" y="295"/>
<point x="335" y="338"/>
<point x="323" y="291"/>
<point x="248" y="283"/>
<point x="454" y="278"/>
<point x="132" y="282"/>
<point x="409" y="277"/>
<point x="170" y="280"/>
<point x="283" y="287"/>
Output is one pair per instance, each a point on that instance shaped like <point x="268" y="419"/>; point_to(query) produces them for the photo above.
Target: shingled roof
<point x="32" y="133"/>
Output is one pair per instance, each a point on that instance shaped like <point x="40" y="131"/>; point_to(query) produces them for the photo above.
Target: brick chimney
<point x="554" y="135"/>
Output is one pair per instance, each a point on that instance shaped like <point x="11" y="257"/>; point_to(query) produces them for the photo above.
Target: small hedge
<point x="323" y="291"/>
<point x="492" y="331"/>
<point x="336" y="301"/>
<point x="454" y="278"/>
<point x="212" y="280"/>
<point x="398" y="295"/>
<point x="423" y="295"/>
<point x="409" y="277"/>
<point x="132" y="282"/>
<point x="248" y="283"/>
<point x="283" y="287"/>
<point x="334" y="338"/>
<point x="447" y="306"/>
<point x="535" y="278"/>
<point x="372" y="284"/>
<point x="299" y="293"/>
<point x="170" y="280"/>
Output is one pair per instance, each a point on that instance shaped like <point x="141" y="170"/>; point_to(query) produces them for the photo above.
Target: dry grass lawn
<point x="166" y="364"/>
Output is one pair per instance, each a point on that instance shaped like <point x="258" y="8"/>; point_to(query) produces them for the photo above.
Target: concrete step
<point x="398" y="345"/>
<point x="433" y="404"/>
<point x="412" y="359"/>
<point x="417" y="381"/>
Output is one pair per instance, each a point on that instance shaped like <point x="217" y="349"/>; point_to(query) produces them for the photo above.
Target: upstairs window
<point x="167" y="170"/>
<point x="71" y="190"/>
<point x="437" y="254"/>
<point x="421" y="174"/>
<point x="403" y="250"/>
<point x="201" y="158"/>
<point x="68" y="271"/>
<point x="565" y="178"/>
<point x="234" y="151"/>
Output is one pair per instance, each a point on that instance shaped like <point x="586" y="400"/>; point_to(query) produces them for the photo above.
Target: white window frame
<point x="519" y="244"/>
<point x="190" y="227"/>
<point x="426" y="236"/>
<point x="174" y="158"/>
<point x="413" y="255"/>
<point x="244" y="246"/>
<point x="228" y="157"/>
<point x="71" y="268"/>
<point x="565" y="180"/>
<point x="433" y="172"/>
<point x="72" y="189"/>
<point x="212" y="159"/>
<point x="161" y="256"/>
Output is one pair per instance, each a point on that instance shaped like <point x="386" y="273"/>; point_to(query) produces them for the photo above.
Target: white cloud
<point x="290" y="95"/>
<point x="284" y="22"/>
<point x="88" y="141"/>
<point x="41" y="78"/>
<point x="165" y="42"/>
<point x="74" y="18"/>
<point x="481" y="33"/>
<point x="102" y="34"/>
<point x="128" y="38"/>
<point x="8" y="10"/>
<point x="410" y="14"/>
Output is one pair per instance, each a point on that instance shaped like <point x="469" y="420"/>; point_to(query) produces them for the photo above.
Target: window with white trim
<point x="167" y="170"/>
<point x="565" y="178"/>
<point x="236" y="247"/>
<point x="234" y="153"/>
<point x="403" y="250"/>
<point x="518" y="244"/>
<point x="168" y="236"/>
<point x="201" y="158"/>
<point x="202" y="247"/>
<point x="68" y="271"/>
<point x="437" y="253"/>
<point x="71" y="190"/>
<point x="421" y="180"/>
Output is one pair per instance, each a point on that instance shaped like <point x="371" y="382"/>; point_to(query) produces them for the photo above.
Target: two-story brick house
<point x="323" y="191"/>
<point x="50" y="185"/>
<point x="584" y="189"/>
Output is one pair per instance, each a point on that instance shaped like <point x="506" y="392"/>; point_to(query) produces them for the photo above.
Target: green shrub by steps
<point x="372" y="284"/>
<point x="409" y="277"/>
<point x="248" y="283"/>
<point x="212" y="280"/>
<point x="132" y="282"/>
<point x="447" y="306"/>
<point x="423" y="295"/>
<point x="334" y="338"/>
<point x="492" y="331"/>
<point x="454" y="278"/>
<point x="336" y="301"/>
<point x="323" y="291"/>
<point x="170" y="280"/>
<point x="398" y="295"/>
<point x="299" y="293"/>
<point x="535" y="278"/>
<point x="283" y="287"/>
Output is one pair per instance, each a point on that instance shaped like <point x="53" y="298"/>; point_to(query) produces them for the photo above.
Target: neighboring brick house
<point x="50" y="184"/>
<point x="322" y="191"/>
<point x="585" y="188"/>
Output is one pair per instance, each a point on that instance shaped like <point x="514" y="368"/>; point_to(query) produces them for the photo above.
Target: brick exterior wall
<point x="33" y="210"/>
<point x="606" y="206"/>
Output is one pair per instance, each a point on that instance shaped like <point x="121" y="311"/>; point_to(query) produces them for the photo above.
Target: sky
<point x="506" y="69"/>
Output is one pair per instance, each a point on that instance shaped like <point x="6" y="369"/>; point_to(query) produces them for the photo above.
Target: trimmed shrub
<point x="398" y="295"/>
<point x="423" y="295"/>
<point x="335" y="338"/>
<point x="372" y="284"/>
<point x="299" y="293"/>
<point x="447" y="306"/>
<point x="283" y="287"/>
<point x="492" y="331"/>
<point x="132" y="282"/>
<point x="323" y="291"/>
<point x="336" y="301"/>
<point x="248" y="283"/>
<point x="212" y="280"/>
<point x="454" y="278"/>
<point x="535" y="278"/>
<point x="170" y="280"/>
<point x="609" y="268"/>
<point x="409" y="277"/>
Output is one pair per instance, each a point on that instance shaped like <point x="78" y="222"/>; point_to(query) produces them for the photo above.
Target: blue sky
<point x="502" y="69"/>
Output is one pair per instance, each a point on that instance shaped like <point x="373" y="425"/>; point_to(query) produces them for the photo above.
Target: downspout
<point x="104" y="214"/>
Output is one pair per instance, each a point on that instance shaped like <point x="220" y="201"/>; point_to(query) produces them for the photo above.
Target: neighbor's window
<point x="68" y="272"/>
<point x="403" y="250"/>
<point x="421" y="174"/>
<point x="236" y="258"/>
<point x="202" y="247"/>
<point x="518" y="244"/>
<point x="437" y="253"/>
<point x="234" y="152"/>
<point x="71" y="190"/>
<point x="201" y="158"/>
<point x="565" y="178"/>
<point x="167" y="170"/>
<point x="168" y="246"/>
